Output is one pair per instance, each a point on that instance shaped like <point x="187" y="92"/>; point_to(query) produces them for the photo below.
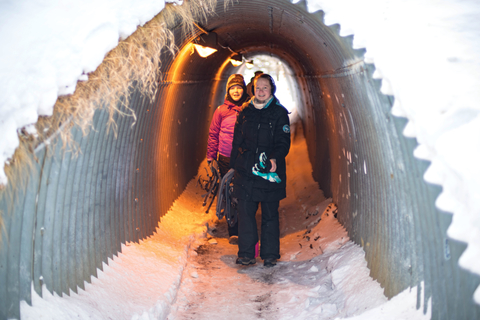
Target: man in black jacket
<point x="260" y="144"/>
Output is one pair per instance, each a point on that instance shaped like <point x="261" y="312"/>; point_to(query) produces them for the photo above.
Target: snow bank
<point x="400" y="307"/>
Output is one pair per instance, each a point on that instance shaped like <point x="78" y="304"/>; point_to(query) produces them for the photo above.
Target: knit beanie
<point x="236" y="79"/>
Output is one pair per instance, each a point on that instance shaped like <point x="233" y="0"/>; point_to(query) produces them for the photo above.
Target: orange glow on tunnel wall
<point x="174" y="74"/>
<point x="185" y="117"/>
<point x="169" y="141"/>
<point x="216" y="85"/>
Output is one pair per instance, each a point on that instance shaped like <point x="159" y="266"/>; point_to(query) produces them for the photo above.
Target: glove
<point x="262" y="169"/>
<point x="265" y="164"/>
<point x="271" y="176"/>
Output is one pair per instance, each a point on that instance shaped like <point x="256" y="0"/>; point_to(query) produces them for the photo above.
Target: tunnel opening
<point x="119" y="187"/>
<point x="287" y="89"/>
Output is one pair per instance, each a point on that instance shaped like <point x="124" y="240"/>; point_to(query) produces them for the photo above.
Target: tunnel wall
<point x="382" y="199"/>
<point x="75" y="211"/>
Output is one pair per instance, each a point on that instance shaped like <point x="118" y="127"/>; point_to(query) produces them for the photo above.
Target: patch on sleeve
<point x="286" y="128"/>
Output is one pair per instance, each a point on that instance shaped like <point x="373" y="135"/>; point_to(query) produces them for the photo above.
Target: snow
<point x="187" y="269"/>
<point x="425" y="51"/>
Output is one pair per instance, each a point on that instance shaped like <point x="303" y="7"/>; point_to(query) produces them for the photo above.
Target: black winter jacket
<point x="256" y="131"/>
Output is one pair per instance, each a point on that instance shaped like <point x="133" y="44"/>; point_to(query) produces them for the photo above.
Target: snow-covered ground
<point x="187" y="269"/>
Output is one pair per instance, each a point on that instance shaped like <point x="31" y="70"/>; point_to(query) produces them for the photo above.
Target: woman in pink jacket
<point x="220" y="136"/>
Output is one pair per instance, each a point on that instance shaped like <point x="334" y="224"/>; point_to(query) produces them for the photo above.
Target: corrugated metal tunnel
<point x="76" y="210"/>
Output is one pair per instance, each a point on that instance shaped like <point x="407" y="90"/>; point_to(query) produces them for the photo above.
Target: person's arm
<point x="281" y="140"/>
<point x="214" y="135"/>
<point x="237" y="139"/>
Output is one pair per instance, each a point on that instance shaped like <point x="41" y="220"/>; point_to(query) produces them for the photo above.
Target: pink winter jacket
<point x="220" y="136"/>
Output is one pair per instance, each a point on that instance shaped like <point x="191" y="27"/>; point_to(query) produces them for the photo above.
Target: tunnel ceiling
<point x="282" y="29"/>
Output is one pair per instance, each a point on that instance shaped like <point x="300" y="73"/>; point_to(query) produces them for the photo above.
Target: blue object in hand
<point x="262" y="169"/>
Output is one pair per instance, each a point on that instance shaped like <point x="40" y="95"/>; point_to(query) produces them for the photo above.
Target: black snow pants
<point x="248" y="234"/>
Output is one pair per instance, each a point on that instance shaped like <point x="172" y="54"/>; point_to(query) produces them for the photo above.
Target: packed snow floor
<point x="187" y="269"/>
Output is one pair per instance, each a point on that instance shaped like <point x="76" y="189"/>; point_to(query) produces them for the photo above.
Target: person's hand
<point x="274" y="165"/>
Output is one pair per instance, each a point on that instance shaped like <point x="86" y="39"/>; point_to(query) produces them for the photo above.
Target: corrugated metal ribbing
<point x="15" y="263"/>
<point x="76" y="210"/>
<point x="382" y="198"/>
<point x="183" y="121"/>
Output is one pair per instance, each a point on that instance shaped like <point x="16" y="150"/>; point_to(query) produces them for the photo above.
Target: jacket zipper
<point x="258" y="130"/>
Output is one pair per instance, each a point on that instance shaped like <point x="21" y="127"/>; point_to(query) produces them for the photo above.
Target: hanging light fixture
<point x="205" y="44"/>
<point x="204" y="51"/>
<point x="236" y="60"/>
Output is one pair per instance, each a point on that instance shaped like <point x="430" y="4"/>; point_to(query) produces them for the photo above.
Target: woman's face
<point x="263" y="89"/>
<point x="236" y="92"/>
